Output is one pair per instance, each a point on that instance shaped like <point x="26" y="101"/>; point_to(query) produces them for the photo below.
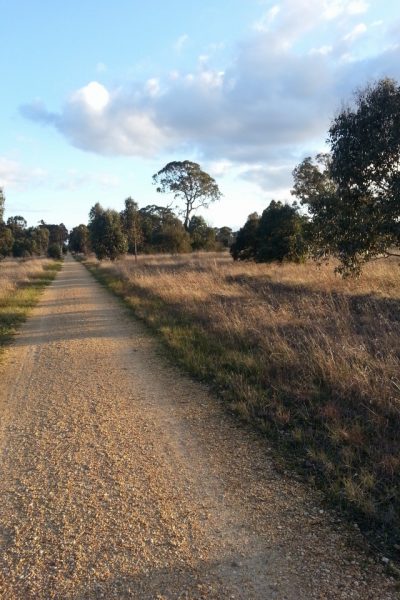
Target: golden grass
<point x="21" y="282"/>
<point x="15" y="272"/>
<point x="311" y="358"/>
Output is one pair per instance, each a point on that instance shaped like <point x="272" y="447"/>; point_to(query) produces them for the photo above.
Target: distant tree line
<point x="349" y="204"/>
<point x="20" y="241"/>
<point x="148" y="230"/>
<point x="156" y="229"/>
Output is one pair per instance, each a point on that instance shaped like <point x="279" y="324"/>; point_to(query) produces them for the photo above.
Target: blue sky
<point x="98" y="96"/>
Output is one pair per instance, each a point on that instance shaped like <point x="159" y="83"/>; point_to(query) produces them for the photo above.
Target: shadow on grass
<point x="346" y="443"/>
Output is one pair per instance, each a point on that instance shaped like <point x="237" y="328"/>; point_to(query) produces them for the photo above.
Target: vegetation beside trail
<point x="309" y="358"/>
<point x="21" y="283"/>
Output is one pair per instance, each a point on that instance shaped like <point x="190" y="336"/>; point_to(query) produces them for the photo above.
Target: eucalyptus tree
<point x="353" y="193"/>
<point x="189" y="184"/>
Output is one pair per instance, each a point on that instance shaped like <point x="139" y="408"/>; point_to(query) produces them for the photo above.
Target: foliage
<point x="131" y="225"/>
<point x="188" y="183"/>
<point x="245" y="245"/>
<point x="162" y="231"/>
<point x="58" y="234"/>
<point x="172" y="238"/>
<point x="27" y="241"/>
<point x="224" y="235"/>
<point x="17" y="224"/>
<point x="79" y="239"/>
<point x="280" y="234"/>
<point x="106" y="236"/>
<point x="6" y="241"/>
<point x="40" y="238"/>
<point x="353" y="194"/>
<point x="201" y="235"/>
<point x="21" y="241"/>
<point x="54" y="251"/>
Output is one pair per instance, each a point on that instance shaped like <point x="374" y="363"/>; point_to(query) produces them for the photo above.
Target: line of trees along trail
<point x="349" y="200"/>
<point x="20" y="241"/>
<point x="151" y="229"/>
<point x="154" y="228"/>
<point x="349" y="204"/>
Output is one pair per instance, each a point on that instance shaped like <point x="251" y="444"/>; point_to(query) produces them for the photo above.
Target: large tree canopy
<point x="353" y="194"/>
<point x="106" y="237"/>
<point x="162" y="231"/>
<point x="79" y="239"/>
<point x="277" y="235"/>
<point x="188" y="183"/>
<point x="130" y="221"/>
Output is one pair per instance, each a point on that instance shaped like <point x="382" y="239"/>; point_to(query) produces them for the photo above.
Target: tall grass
<point x="21" y="282"/>
<point x="312" y="359"/>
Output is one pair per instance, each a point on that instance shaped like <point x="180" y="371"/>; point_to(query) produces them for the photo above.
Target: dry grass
<point x="14" y="272"/>
<point x="311" y="358"/>
<point x="21" y="282"/>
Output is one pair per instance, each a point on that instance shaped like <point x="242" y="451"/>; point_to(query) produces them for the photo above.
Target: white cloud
<point x="274" y="177"/>
<point x="15" y="175"/>
<point x="181" y="42"/>
<point x="219" y="168"/>
<point x="94" y="95"/>
<point x="338" y="8"/>
<point x="356" y="32"/>
<point x="153" y="86"/>
<point x="358" y="7"/>
<point x="321" y="50"/>
<point x="273" y="101"/>
<point x="264" y="24"/>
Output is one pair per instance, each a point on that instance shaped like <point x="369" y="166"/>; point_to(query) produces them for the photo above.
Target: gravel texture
<point x="122" y="478"/>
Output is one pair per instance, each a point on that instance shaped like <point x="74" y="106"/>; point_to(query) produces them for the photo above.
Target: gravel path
<point x="121" y="478"/>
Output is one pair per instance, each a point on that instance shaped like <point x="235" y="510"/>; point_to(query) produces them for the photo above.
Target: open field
<point x="311" y="358"/>
<point x="21" y="282"/>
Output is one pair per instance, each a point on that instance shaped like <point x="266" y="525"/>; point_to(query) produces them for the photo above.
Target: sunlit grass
<point x="311" y="359"/>
<point x="21" y="283"/>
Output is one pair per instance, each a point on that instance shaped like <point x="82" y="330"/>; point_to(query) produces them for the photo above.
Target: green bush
<point x="54" y="251"/>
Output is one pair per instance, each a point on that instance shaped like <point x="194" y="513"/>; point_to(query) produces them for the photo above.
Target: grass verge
<point x="310" y="360"/>
<point x="20" y="295"/>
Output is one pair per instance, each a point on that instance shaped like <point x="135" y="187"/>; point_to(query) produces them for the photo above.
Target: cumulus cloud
<point x="15" y="175"/>
<point x="271" y="103"/>
<point x="94" y="96"/>
<point x="99" y="121"/>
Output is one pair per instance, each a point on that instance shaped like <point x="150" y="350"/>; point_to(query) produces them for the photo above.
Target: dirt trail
<point x="121" y="478"/>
